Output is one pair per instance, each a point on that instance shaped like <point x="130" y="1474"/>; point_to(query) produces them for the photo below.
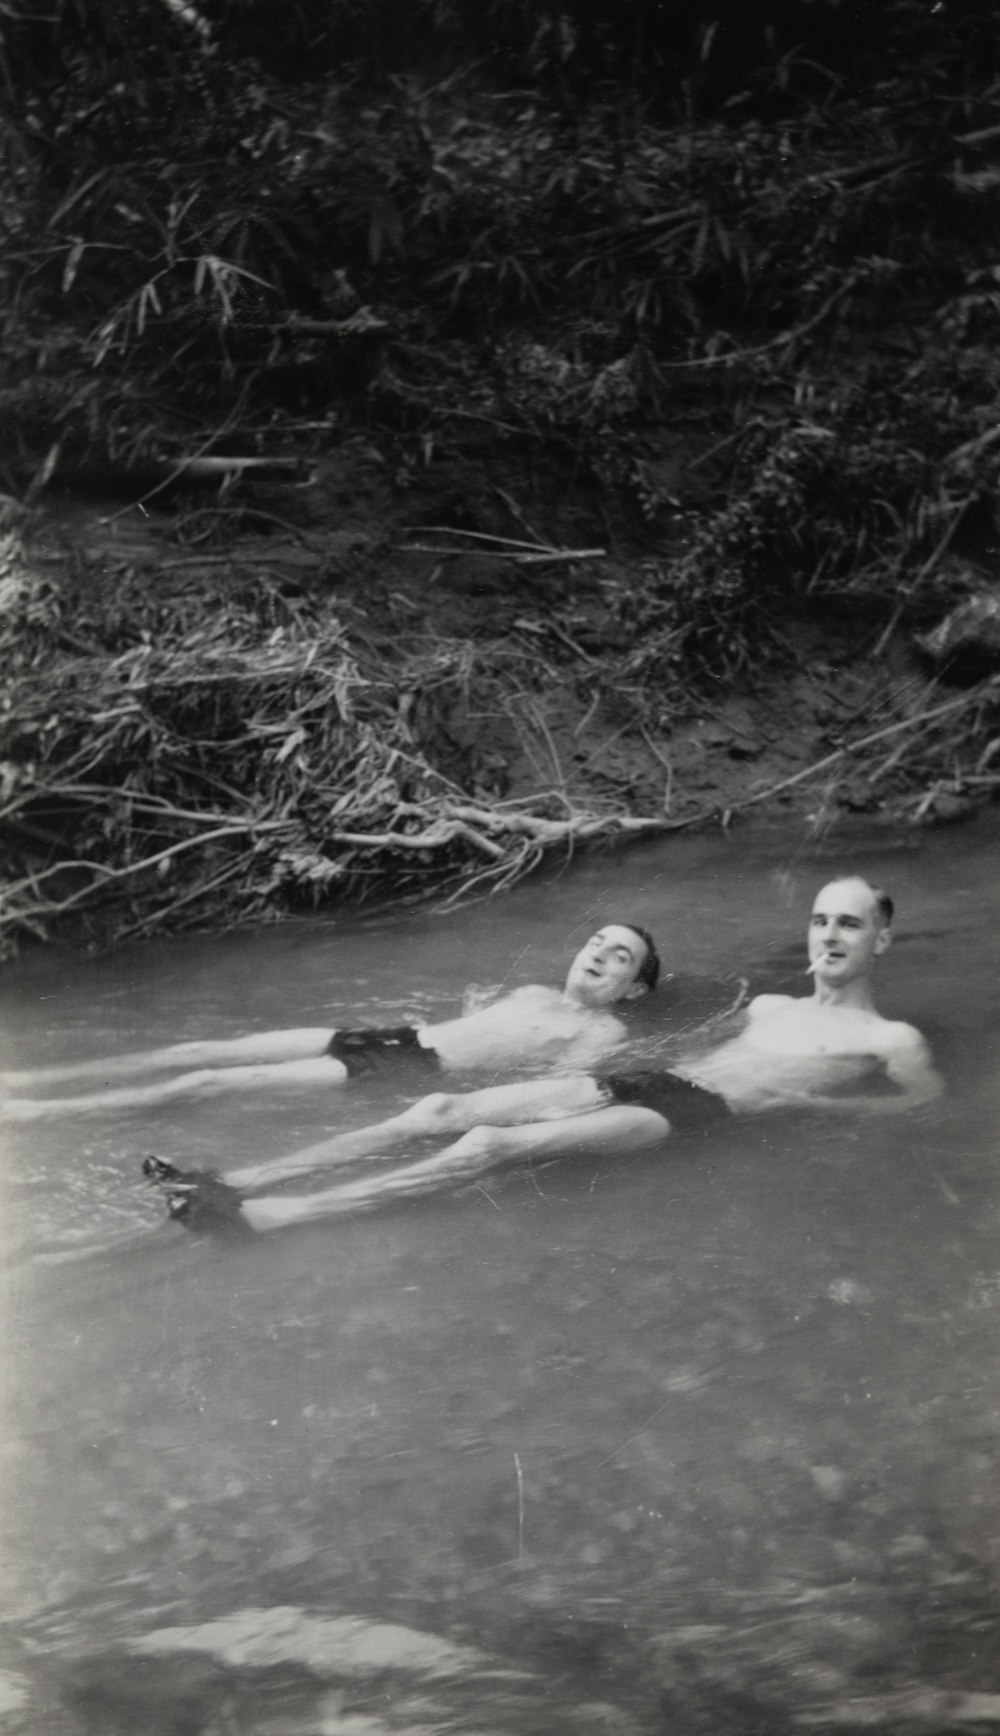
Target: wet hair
<point x="883" y="902"/>
<point x="648" y="974"/>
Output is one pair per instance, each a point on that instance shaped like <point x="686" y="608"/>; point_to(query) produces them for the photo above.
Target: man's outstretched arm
<point x="909" y="1068"/>
<point x="910" y="1065"/>
<point x="905" y="1062"/>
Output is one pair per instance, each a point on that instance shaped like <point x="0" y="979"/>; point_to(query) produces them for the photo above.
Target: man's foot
<point x="197" y="1198"/>
<point x="157" y="1169"/>
<point x="207" y="1206"/>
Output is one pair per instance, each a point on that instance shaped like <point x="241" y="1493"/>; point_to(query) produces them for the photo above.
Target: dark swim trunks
<point x="364" y="1048"/>
<point x="684" y="1105"/>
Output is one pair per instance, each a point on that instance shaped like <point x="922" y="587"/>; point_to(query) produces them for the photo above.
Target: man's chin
<point x="590" y="998"/>
<point x="837" y="971"/>
<point x="584" y="989"/>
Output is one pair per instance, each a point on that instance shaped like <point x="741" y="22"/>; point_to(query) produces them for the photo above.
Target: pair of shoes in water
<point x="197" y="1199"/>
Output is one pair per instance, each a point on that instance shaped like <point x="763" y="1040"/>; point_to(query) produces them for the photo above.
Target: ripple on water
<point x="287" y="1671"/>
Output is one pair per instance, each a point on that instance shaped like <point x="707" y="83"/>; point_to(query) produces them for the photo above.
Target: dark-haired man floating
<point x="533" y="1026"/>
<point x="829" y="1051"/>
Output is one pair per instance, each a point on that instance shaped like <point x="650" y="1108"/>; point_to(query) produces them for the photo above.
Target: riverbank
<point x="542" y="427"/>
<point x="330" y="688"/>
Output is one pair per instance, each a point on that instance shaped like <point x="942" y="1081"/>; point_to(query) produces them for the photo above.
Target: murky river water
<point x="698" y="1441"/>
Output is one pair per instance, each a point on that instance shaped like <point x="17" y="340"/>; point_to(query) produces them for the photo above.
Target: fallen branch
<point x="132" y="868"/>
<point x="433" y="839"/>
<point x="478" y="536"/>
<point x="160" y="918"/>
<point x="855" y="747"/>
<point x="231" y="421"/>
<point x="857" y="175"/>
<point x="217" y="465"/>
<point x="521" y="560"/>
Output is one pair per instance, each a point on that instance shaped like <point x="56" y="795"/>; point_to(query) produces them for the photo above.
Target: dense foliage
<point x="243" y="224"/>
<point x="726" y="273"/>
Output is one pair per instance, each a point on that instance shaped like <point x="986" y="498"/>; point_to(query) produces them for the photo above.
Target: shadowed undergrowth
<point x="722" y="288"/>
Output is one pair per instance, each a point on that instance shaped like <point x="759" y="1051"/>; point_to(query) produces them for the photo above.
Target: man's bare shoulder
<point x="478" y="999"/>
<point x="763" y="1005"/>
<point x="898" y="1038"/>
<point x="908" y="1061"/>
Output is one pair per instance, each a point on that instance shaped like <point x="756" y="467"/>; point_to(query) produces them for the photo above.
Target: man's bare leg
<point x="440" y="1113"/>
<point x="323" y="1071"/>
<point x="263" y="1046"/>
<point x="609" y="1132"/>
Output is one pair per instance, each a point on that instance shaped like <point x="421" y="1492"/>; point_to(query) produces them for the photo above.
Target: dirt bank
<point x="345" y="685"/>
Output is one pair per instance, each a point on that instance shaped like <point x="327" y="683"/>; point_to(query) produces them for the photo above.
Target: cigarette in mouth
<point x="824" y="958"/>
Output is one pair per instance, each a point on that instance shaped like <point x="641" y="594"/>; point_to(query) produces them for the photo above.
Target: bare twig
<point x="667" y="765"/>
<point x="479" y="536"/>
<point x="210" y="440"/>
<point x="953" y="705"/>
<point x="159" y="918"/>
<point x="588" y="715"/>
<point x="511" y="504"/>
<point x="520" y="560"/>
<point x="433" y="839"/>
<point x="132" y="868"/>
<point x="557" y="633"/>
<point x="930" y="563"/>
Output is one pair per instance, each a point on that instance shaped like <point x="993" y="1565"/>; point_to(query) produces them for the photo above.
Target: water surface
<point x="700" y="1440"/>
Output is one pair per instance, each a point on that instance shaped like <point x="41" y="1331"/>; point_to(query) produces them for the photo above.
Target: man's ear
<point x="883" y="940"/>
<point x="634" y="993"/>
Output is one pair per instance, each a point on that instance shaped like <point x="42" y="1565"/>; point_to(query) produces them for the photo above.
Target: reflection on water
<point x="697" y="1441"/>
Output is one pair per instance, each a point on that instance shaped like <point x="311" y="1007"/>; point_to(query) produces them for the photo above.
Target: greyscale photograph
<point x="499" y="867"/>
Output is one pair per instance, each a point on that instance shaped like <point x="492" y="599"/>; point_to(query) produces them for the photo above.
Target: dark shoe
<point x="197" y="1198"/>
<point x="202" y="1203"/>
<point x="157" y="1169"/>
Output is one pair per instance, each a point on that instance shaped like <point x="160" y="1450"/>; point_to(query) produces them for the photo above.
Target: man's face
<point x="605" y="969"/>
<point x="846" y="932"/>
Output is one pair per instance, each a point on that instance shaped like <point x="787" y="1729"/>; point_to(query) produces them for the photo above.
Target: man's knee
<point x="439" y="1112"/>
<point x="199" y="1083"/>
<point x="482" y="1142"/>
